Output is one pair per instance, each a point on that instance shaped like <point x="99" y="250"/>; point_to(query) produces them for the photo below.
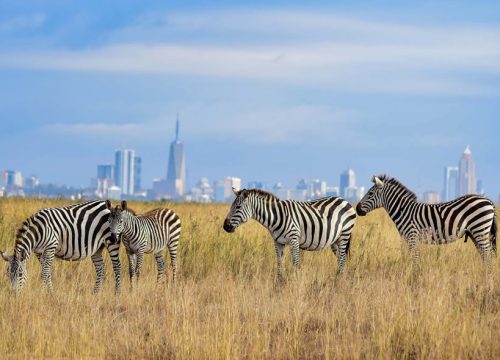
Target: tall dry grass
<point x="226" y="304"/>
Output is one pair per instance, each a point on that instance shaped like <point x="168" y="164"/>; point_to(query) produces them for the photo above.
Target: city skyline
<point x="122" y="180"/>
<point x="267" y="92"/>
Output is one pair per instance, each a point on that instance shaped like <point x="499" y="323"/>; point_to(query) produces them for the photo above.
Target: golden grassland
<point x="226" y="304"/>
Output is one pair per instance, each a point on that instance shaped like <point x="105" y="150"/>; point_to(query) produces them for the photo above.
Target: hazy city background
<point x="301" y="100"/>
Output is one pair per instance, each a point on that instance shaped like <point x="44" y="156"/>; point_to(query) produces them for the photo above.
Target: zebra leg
<point x="413" y="249"/>
<point x="160" y="264"/>
<point x="279" y="256"/>
<point x="46" y="261"/>
<point x="172" y="251"/>
<point x="294" y="243"/>
<point x="114" y="254"/>
<point x="483" y="246"/>
<point x="138" y="266"/>
<point x="131" y="267"/>
<point x="99" y="269"/>
<point x="342" y="250"/>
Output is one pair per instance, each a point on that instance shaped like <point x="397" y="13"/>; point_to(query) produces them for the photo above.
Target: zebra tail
<point x="493" y="233"/>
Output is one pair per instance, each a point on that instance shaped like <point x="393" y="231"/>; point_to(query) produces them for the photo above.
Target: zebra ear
<point x="124" y="205"/>
<point x="108" y="204"/>
<point x="377" y="181"/>
<point x="6" y="257"/>
<point x="235" y="191"/>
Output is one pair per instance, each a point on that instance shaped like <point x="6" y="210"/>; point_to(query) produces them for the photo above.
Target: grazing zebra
<point x="470" y="215"/>
<point x="69" y="233"/>
<point x="306" y="225"/>
<point x="149" y="233"/>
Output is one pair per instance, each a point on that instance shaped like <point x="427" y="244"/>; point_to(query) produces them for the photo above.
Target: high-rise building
<point x="14" y="178"/>
<point x="431" y="197"/>
<point x="105" y="172"/>
<point x="104" y="180"/>
<point x="137" y="174"/>
<point x="125" y="171"/>
<point x="230" y="184"/>
<point x="466" y="173"/>
<point x="347" y="180"/>
<point x="450" y="189"/>
<point x="176" y="172"/>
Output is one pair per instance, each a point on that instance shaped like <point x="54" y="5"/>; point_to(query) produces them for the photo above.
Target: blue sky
<point x="266" y="90"/>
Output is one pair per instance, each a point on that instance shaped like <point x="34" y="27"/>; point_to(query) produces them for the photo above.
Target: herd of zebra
<point x="77" y="231"/>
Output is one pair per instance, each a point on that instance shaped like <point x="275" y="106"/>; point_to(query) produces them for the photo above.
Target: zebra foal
<point x="69" y="233"/>
<point x="471" y="215"/>
<point x="306" y="225"/>
<point x="151" y="232"/>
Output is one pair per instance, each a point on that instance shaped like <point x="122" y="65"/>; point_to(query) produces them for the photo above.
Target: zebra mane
<point x="260" y="193"/>
<point x="132" y="211"/>
<point x="23" y="229"/>
<point x="397" y="183"/>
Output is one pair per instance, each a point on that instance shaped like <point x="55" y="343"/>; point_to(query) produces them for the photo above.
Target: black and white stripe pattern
<point x="69" y="233"/>
<point x="306" y="225"/>
<point x="153" y="232"/>
<point x="471" y="215"/>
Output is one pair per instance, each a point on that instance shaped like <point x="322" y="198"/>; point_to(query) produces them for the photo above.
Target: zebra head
<point x="373" y="198"/>
<point x="116" y="221"/>
<point x="16" y="271"/>
<point x="241" y="210"/>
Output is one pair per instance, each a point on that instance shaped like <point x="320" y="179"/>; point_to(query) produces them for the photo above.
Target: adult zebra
<point x="470" y="215"/>
<point x="149" y="233"/>
<point x="306" y="225"/>
<point x="69" y="233"/>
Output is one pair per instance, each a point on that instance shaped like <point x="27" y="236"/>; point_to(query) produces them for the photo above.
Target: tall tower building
<point x="176" y="172"/>
<point x="137" y="174"/>
<point x="347" y="180"/>
<point x="125" y="170"/>
<point x="466" y="173"/>
<point x="450" y="188"/>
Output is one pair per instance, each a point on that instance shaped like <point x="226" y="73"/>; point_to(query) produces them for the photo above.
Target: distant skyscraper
<point x="105" y="172"/>
<point x="431" y="197"/>
<point x="466" y="173"/>
<point x="231" y="183"/>
<point x="450" y="189"/>
<point x="125" y="171"/>
<point x="347" y="180"/>
<point x="176" y="172"/>
<point x="137" y="174"/>
<point x="14" y="178"/>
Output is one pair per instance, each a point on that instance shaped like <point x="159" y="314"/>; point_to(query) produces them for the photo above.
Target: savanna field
<point x="226" y="303"/>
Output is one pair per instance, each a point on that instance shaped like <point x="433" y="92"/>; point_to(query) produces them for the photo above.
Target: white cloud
<point x="33" y="21"/>
<point x="313" y="49"/>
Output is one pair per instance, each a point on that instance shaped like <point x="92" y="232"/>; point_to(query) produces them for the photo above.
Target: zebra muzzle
<point x="228" y="227"/>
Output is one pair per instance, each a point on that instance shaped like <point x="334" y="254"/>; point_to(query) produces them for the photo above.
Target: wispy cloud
<point x="313" y="49"/>
<point x="25" y="22"/>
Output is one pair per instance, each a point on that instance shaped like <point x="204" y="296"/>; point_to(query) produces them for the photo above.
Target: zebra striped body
<point x="153" y="232"/>
<point x="470" y="215"/>
<point x="69" y="233"/>
<point x="306" y="225"/>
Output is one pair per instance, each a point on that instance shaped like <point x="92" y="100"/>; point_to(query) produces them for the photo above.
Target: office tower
<point x="450" y="189"/>
<point x="347" y="180"/>
<point x="176" y="172"/>
<point x="125" y="171"/>
<point x="137" y="174"/>
<point x="466" y="173"/>
<point x="431" y="197"/>
<point x="230" y="184"/>
<point x="105" y="172"/>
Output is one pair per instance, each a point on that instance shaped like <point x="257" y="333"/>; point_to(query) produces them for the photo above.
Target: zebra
<point x="151" y="232"/>
<point x="70" y="233"/>
<point x="307" y="225"/>
<point x="471" y="215"/>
